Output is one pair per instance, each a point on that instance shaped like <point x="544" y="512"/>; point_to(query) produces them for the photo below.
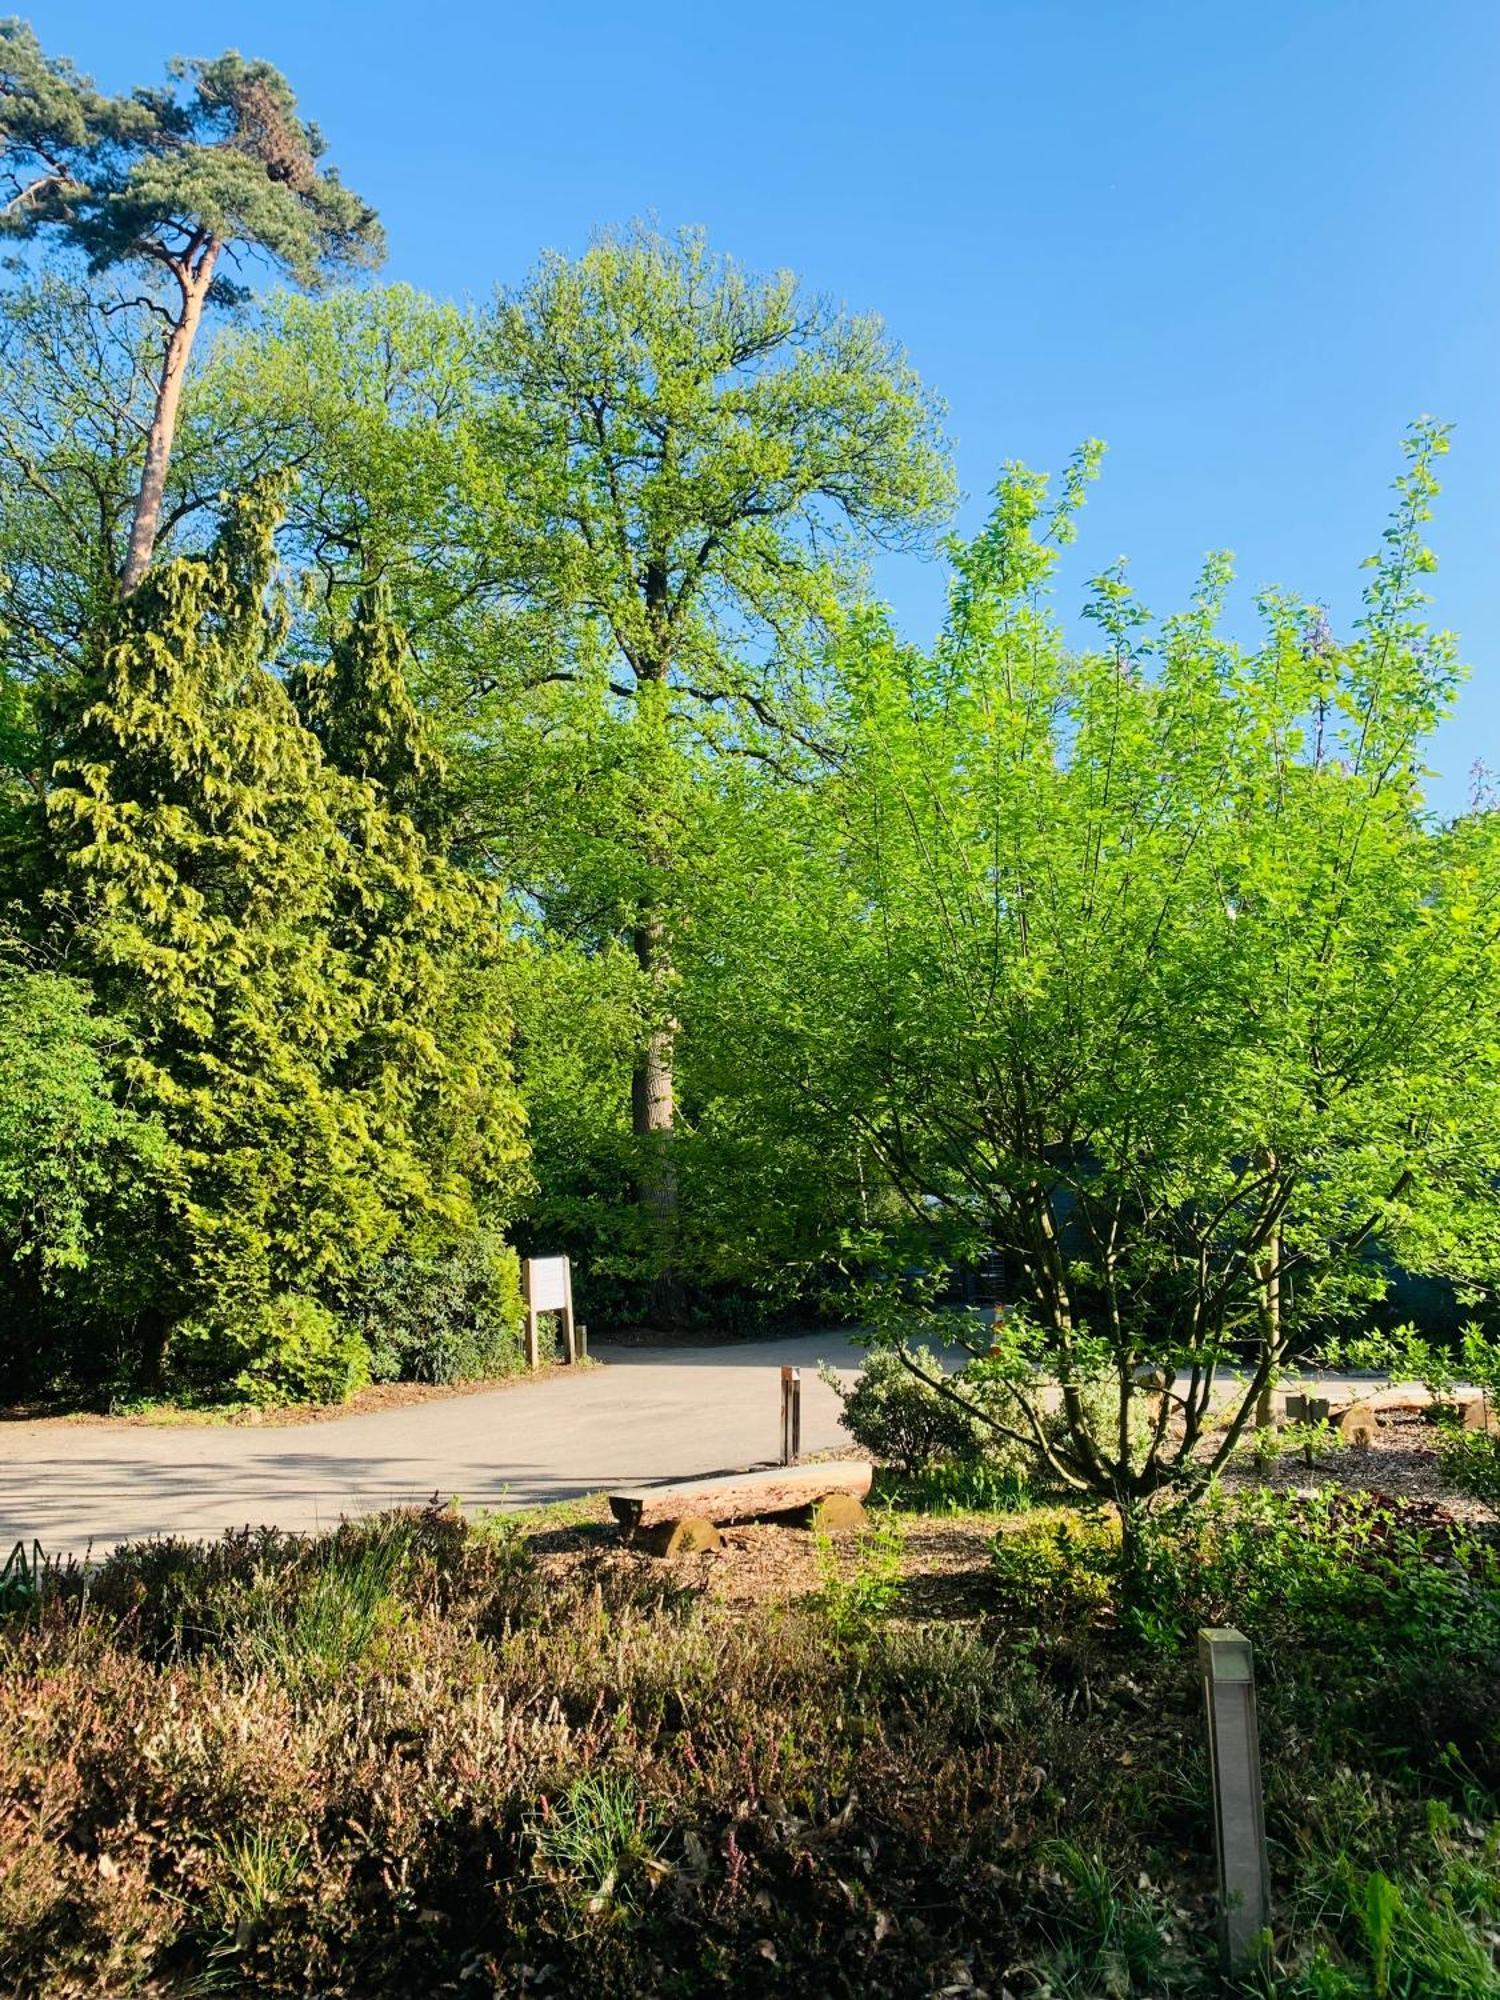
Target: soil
<point x="1402" y="1462"/>
<point x="945" y="1558"/>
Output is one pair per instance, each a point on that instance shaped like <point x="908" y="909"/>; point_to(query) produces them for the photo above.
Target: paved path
<point x="642" y="1414"/>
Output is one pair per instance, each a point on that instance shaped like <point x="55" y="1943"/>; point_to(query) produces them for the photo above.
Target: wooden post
<point x="1228" y="1665"/>
<point x="791" y="1415"/>
<point x="532" y="1349"/>
<point x="583" y="1341"/>
<point x="570" y="1334"/>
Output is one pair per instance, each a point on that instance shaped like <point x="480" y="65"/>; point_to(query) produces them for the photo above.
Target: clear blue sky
<point x="1244" y="241"/>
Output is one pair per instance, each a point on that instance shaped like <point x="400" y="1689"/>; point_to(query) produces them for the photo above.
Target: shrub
<point x="449" y="1315"/>
<point x="288" y="1348"/>
<point x="1058" y="1566"/>
<point x="904" y="1422"/>
<point x="1470" y="1460"/>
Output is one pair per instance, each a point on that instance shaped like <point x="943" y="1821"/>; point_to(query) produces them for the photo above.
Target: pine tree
<point x="165" y="182"/>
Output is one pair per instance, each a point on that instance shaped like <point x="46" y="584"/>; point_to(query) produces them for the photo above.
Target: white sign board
<point x="547" y="1284"/>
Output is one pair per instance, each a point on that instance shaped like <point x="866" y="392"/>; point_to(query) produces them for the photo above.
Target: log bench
<point x="686" y="1516"/>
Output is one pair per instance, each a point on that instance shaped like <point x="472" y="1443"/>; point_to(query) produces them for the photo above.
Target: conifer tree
<point x="167" y="183"/>
<point x="298" y="968"/>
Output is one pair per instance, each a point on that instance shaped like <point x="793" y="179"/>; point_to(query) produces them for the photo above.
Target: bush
<point x="449" y="1315"/>
<point x="286" y="1349"/>
<point x="1470" y="1460"/>
<point x="900" y="1420"/>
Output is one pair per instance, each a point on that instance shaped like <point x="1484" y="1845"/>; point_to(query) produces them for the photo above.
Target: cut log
<point x="741" y="1496"/>
<point x="1357" y="1424"/>
<point x="837" y="1514"/>
<point x="688" y="1537"/>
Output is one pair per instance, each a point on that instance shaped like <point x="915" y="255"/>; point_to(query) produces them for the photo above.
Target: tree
<point x="1147" y="969"/>
<point x="640" y="488"/>
<point x="316" y="1000"/>
<point x="690" y="458"/>
<point x="172" y="182"/>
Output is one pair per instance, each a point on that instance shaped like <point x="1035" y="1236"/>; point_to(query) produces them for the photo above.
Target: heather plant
<point x="372" y="1760"/>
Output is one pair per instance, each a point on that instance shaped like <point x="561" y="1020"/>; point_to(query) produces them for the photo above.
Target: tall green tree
<point x="1147" y="969"/>
<point x="172" y="183"/>
<point x="315" y="998"/>
<point x="643" y="489"/>
<point x="692" y="457"/>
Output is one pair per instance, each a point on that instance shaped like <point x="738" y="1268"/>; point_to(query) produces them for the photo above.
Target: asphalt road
<point x="640" y="1414"/>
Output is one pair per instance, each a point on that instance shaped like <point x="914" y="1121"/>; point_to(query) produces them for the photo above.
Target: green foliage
<point x="137" y="178"/>
<point x="603" y="1840"/>
<point x="1470" y="1460"/>
<point x="451" y="1314"/>
<point x="312" y="1001"/>
<point x="900" y="1418"/>
<point x="284" y="1349"/>
<point x="959" y="1486"/>
<point x="1406" y="1356"/>
<point x="1057" y="1567"/>
<point x="853" y="1595"/>
<point x="67" y="1145"/>
<point x="621" y="510"/>
<point x="1144" y="966"/>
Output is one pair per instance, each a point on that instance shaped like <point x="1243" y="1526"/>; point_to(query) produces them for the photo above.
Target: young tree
<point x="172" y="183"/>
<point x="1147" y="969"/>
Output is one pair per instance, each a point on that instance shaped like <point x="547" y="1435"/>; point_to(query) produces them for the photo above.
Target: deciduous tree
<point x="1147" y="968"/>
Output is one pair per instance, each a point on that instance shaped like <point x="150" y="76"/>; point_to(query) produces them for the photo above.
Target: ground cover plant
<point x="424" y="1755"/>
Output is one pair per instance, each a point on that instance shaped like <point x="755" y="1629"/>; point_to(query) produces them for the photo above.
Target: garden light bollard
<point x="1228" y="1665"/>
<point x="791" y="1415"/>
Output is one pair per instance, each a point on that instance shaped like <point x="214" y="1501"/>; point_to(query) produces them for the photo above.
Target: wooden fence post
<point x="791" y="1415"/>
<point x="570" y="1336"/>
<point x="1228" y="1665"/>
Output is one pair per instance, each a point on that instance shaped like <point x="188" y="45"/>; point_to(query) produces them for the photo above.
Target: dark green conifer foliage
<point x="315" y="995"/>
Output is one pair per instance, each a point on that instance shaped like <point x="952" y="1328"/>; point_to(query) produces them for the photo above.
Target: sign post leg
<point x="530" y="1314"/>
<point x="570" y="1336"/>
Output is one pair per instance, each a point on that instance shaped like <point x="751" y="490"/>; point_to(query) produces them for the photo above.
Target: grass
<point x="422" y="1756"/>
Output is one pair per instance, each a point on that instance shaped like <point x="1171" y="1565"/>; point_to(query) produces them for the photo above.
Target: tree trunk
<point x="147" y="516"/>
<point x="1270" y="1326"/>
<point x="653" y="1108"/>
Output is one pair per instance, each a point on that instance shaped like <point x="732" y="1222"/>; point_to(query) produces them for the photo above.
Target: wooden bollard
<point x="791" y="1415"/>
<point x="1227" y="1660"/>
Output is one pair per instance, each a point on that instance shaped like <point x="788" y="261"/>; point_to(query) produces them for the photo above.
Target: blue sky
<point x="1243" y="243"/>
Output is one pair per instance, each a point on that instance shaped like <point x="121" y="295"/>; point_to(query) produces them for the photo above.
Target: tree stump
<point x="837" y="1514"/>
<point x="1357" y="1425"/>
<point x="690" y="1536"/>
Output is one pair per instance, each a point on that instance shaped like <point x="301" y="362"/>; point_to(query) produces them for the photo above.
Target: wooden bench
<point x="685" y="1516"/>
